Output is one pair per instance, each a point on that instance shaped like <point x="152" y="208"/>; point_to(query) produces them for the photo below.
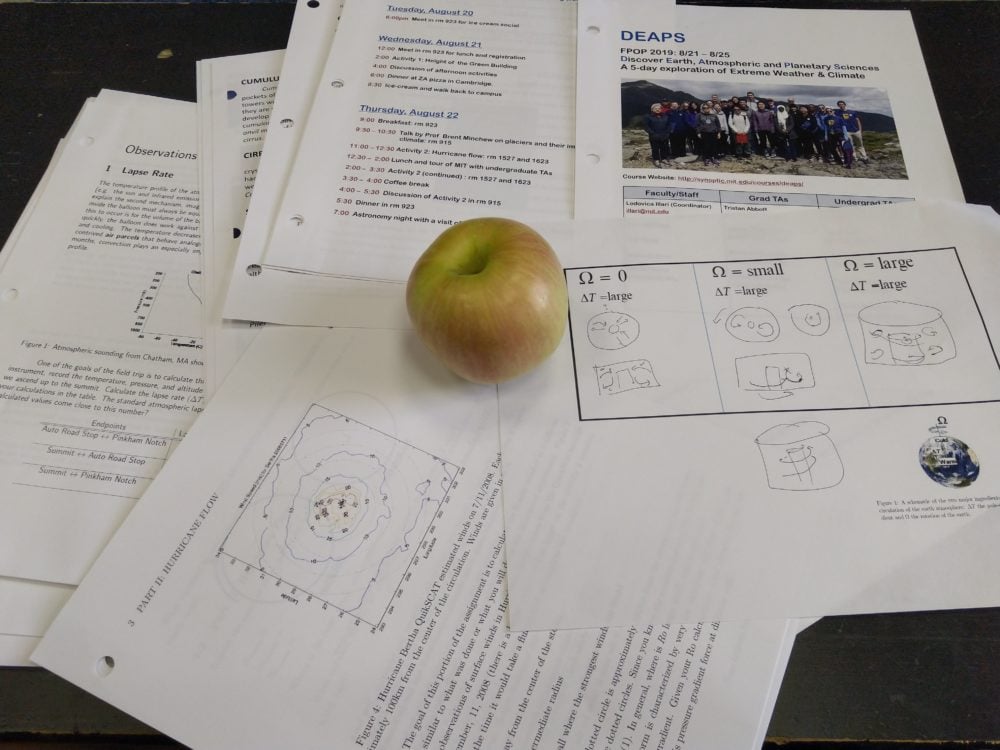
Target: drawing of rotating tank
<point x="751" y="324"/>
<point x="612" y="330"/>
<point x="905" y="334"/>
<point x="775" y="375"/>
<point x="800" y="456"/>
<point x="625" y="376"/>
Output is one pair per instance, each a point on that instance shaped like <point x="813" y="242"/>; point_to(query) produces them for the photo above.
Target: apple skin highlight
<point x="489" y="298"/>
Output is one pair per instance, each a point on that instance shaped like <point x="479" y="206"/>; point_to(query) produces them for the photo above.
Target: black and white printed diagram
<point x="341" y="514"/>
<point x="169" y="309"/>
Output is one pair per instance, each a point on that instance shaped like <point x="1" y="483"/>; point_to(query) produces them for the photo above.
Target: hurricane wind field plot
<point x="341" y="513"/>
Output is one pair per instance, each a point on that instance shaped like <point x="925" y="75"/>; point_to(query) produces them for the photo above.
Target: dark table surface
<point x="873" y="681"/>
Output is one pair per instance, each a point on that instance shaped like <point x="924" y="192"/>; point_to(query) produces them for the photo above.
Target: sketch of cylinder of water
<point x="905" y="334"/>
<point x="800" y="456"/>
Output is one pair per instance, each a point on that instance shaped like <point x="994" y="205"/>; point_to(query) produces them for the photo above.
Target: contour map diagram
<point x="341" y="514"/>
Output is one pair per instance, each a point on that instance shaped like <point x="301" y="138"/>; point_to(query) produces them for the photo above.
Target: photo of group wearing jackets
<point x="794" y="130"/>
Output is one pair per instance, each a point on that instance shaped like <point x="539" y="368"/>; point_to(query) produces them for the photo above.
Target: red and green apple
<point x="489" y="298"/>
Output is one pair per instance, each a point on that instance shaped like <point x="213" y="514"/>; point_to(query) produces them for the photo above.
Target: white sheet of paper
<point x="15" y="650"/>
<point x="329" y="538"/>
<point x="632" y="55"/>
<point x="235" y="95"/>
<point x="422" y="118"/>
<point x="733" y="396"/>
<point x="296" y="298"/>
<point x="99" y="334"/>
<point x="313" y="28"/>
<point x="27" y="608"/>
<point x="795" y="627"/>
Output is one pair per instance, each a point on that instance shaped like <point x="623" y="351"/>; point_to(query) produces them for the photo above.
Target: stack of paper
<point x="100" y="343"/>
<point x="758" y="414"/>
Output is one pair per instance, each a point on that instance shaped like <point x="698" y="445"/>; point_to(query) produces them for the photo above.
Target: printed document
<point x="313" y="28"/>
<point x="329" y="539"/>
<point x="735" y="395"/>
<point x="806" y="109"/>
<point x="101" y="333"/>
<point x="423" y="116"/>
<point x="26" y="607"/>
<point x="235" y="95"/>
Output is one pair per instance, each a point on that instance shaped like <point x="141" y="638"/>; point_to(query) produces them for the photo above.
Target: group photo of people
<point x="787" y="129"/>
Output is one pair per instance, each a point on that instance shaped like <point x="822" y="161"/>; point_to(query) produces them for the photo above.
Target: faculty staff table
<point x="638" y="200"/>
<point x="863" y="681"/>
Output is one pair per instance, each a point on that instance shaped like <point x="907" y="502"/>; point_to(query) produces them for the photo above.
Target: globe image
<point x="949" y="461"/>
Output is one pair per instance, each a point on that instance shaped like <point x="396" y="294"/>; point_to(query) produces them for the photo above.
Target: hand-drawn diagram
<point x="612" y="330"/>
<point x="169" y="309"/>
<point x="625" y="376"/>
<point x="340" y="515"/>
<point x="776" y="375"/>
<point x="812" y="320"/>
<point x="905" y="333"/>
<point x="753" y="324"/>
<point x="800" y="456"/>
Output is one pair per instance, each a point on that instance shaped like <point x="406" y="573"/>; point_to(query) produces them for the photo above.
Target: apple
<point x="489" y="298"/>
